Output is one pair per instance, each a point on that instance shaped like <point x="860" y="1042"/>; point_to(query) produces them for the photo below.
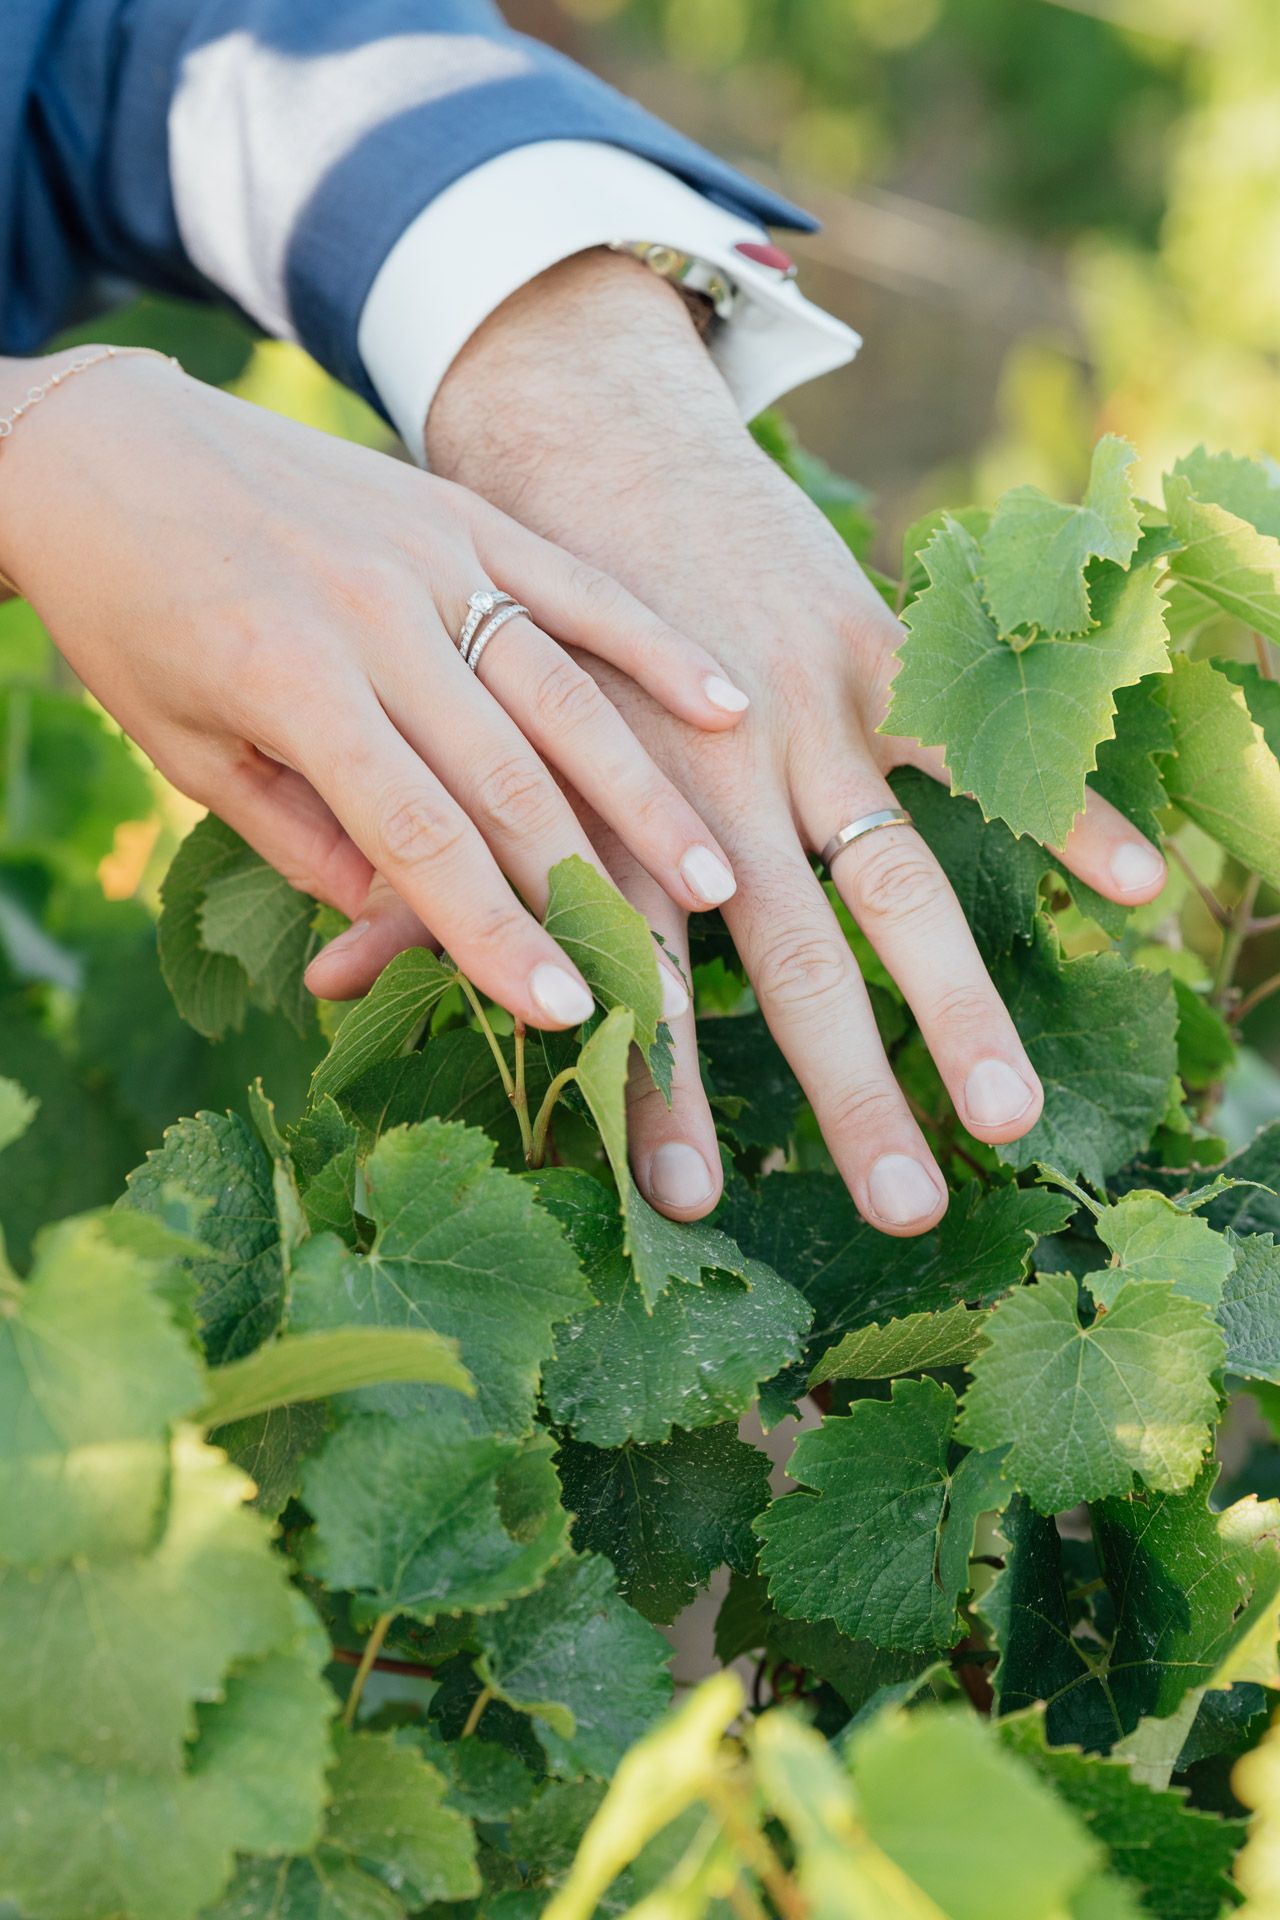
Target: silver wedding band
<point x="868" y="823"/>
<point x="488" y="610"/>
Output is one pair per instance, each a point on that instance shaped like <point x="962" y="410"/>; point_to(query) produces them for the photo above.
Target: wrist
<point x="599" y="352"/>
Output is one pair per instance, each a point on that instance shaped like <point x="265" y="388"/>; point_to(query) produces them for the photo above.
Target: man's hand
<point x="588" y="408"/>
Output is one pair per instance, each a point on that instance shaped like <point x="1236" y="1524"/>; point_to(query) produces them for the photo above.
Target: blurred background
<point x="1048" y="218"/>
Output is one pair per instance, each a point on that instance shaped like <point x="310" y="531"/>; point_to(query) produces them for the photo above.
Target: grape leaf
<point x="1223" y="556"/>
<point x="926" y="1783"/>
<point x="807" y="1227"/>
<point x="391" y="1842"/>
<point x="880" y="1538"/>
<point x="1084" y="1409"/>
<point x="622" y="1373"/>
<point x="1221" y="771"/>
<point x="1262" y="697"/>
<point x="1248" y="488"/>
<point x="1177" y="1855"/>
<point x="996" y="877"/>
<point x="455" y="1078"/>
<point x="103" y="1660"/>
<point x="92" y="1375"/>
<point x="311" y="1366"/>
<point x="666" y="1516"/>
<point x="858" y="1671"/>
<point x="589" y="1670"/>
<point x="388" y="1814"/>
<point x="271" y="1447"/>
<point x="749" y="1081"/>
<point x="485" y="1781"/>
<point x="1185" y="1588"/>
<point x="1150" y="1238"/>
<point x="1035" y="550"/>
<point x="1020" y="727"/>
<point x="261" y="1754"/>
<point x="949" y="1337"/>
<point x="70" y="777"/>
<point x="423" y="1518"/>
<point x="380" y="1025"/>
<point x="608" y="942"/>
<point x="1249" y="1311"/>
<point x="1128" y="772"/>
<point x="463" y="1249"/>
<point x="215" y="1159"/>
<point x="1101" y="1035"/>
<point x="250" y="913"/>
<point x="211" y="990"/>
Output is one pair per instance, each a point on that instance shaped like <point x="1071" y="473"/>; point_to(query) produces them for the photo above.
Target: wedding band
<point x="484" y="600"/>
<point x="512" y="611"/>
<point x="885" y="817"/>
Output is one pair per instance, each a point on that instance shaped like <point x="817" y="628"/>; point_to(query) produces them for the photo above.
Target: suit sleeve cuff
<point x="509" y="219"/>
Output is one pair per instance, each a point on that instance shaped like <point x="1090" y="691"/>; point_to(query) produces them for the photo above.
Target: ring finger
<point x="900" y="898"/>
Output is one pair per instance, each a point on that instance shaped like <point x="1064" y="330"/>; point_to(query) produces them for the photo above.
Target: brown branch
<point x="410" y="1669"/>
<point x="1256" y="998"/>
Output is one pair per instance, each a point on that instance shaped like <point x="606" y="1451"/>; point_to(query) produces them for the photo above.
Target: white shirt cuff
<point x="507" y="221"/>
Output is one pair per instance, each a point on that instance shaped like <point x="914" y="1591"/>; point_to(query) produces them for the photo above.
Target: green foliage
<point x="348" y="1461"/>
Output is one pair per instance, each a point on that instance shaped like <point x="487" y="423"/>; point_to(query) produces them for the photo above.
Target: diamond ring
<point x="484" y="601"/>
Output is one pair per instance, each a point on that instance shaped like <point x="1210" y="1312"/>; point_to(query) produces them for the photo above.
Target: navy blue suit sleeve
<point x="273" y="151"/>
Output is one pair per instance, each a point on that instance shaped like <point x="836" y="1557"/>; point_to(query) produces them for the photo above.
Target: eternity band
<point x="869" y="822"/>
<point x="512" y="611"/>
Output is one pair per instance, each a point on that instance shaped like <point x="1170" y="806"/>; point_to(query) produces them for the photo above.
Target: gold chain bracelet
<point x="34" y="395"/>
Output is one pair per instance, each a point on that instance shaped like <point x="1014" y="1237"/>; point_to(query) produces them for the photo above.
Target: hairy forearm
<point x="595" y="367"/>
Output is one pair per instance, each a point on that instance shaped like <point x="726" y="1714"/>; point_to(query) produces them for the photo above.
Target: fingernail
<point x="722" y="693"/>
<point x="1136" y="867"/>
<point x="901" y="1191"/>
<point x="342" y="942"/>
<point x="675" y="1000"/>
<point x="994" y="1094"/>
<point x="706" y="875"/>
<point x="560" y="996"/>
<point x="678" y="1176"/>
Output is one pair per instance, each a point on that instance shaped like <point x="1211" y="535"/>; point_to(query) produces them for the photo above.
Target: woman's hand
<point x="677" y="501"/>
<point x="271" y="615"/>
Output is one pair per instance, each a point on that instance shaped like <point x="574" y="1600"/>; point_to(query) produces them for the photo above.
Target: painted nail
<point x="706" y="874"/>
<point x="342" y="942"/>
<point x="675" y="1000"/>
<point x="678" y="1176"/>
<point x="723" y="694"/>
<point x="901" y="1191"/>
<point x="1136" y="867"/>
<point x="994" y="1094"/>
<point x="560" y="996"/>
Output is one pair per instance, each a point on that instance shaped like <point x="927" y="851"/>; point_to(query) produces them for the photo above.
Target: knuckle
<point x="495" y="929"/>
<point x="601" y="597"/>
<point x="514" y="796"/>
<point x="796" y="970"/>
<point x="966" y="1008"/>
<point x="866" y="1111"/>
<point x="567" y="697"/>
<point x="894" y="881"/>
<point x="419" y="831"/>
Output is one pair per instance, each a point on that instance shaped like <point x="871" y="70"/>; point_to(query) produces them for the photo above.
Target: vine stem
<point x="504" y="1071"/>
<point x="1233" y="939"/>
<point x="1256" y="997"/>
<point x="372" y="1648"/>
<point x="478" y="1706"/>
<point x="1206" y="893"/>
<point x="520" y="1097"/>
<point x="758" y="1854"/>
<point x="542" y="1125"/>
